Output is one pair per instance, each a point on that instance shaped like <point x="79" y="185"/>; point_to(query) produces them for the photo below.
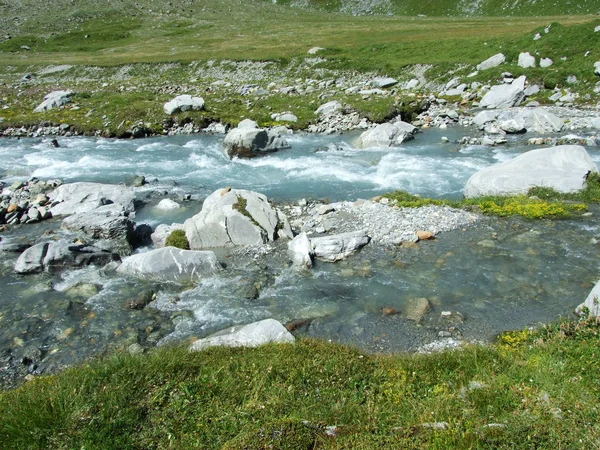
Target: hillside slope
<point x="467" y="8"/>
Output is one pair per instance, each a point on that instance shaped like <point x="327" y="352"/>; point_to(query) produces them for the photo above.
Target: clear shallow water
<point x="535" y="271"/>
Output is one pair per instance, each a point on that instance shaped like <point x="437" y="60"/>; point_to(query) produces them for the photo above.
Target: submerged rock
<point x="54" y="256"/>
<point x="170" y="264"/>
<point x="236" y="217"/>
<point x="258" y="333"/>
<point x="563" y="168"/>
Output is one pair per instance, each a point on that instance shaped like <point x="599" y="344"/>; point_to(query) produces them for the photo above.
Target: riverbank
<point x="530" y="390"/>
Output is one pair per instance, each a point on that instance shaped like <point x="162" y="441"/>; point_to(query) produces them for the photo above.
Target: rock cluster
<point x="26" y="202"/>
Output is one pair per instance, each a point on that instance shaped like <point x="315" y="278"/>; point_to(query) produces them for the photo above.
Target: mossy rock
<point x="285" y="434"/>
<point x="178" y="239"/>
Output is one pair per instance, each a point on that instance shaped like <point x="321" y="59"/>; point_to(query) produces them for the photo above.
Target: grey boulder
<point x="504" y="95"/>
<point x="170" y="264"/>
<point x="53" y="100"/>
<point x="563" y="168"/>
<point x="248" y="141"/>
<point x="591" y="305"/>
<point x="54" y="256"/>
<point x="105" y="222"/>
<point x="493" y="61"/>
<point x="386" y="135"/>
<point x="266" y="331"/>
<point x="329" y="108"/>
<point x="383" y="82"/>
<point x="184" y="103"/>
<point x="235" y="217"/>
<point x="339" y="246"/>
<point x="74" y="198"/>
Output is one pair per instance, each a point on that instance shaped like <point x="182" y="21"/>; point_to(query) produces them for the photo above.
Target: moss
<point x="178" y="239"/>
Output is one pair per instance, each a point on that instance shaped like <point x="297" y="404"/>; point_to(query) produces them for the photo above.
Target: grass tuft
<point x="178" y="239"/>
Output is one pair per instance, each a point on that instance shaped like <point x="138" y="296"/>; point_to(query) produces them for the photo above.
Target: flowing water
<point x="498" y="275"/>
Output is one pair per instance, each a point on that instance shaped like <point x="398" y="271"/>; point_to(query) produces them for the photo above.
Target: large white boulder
<point x="184" y="103"/>
<point x="300" y="250"/>
<point x="591" y="303"/>
<point x="504" y="95"/>
<point x="526" y="60"/>
<point x="105" y="222"/>
<point x="266" y="331"/>
<point x="236" y="217"/>
<point x="563" y="168"/>
<point x="170" y="264"/>
<point x="54" y="99"/>
<point x="386" y="135"/>
<point x="339" y="246"/>
<point x="329" y="108"/>
<point x="74" y="198"/>
<point x="493" y="61"/>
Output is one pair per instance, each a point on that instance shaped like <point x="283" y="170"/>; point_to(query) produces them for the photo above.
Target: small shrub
<point x="178" y="239"/>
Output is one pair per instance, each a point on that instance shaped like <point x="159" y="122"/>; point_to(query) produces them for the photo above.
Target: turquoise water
<point x="532" y="272"/>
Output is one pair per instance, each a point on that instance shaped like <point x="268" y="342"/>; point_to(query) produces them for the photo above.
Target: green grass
<point x="177" y="239"/>
<point x="542" y="387"/>
<point x="539" y="203"/>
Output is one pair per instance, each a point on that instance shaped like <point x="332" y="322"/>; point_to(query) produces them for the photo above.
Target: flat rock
<point x="74" y="198"/>
<point x="170" y="264"/>
<point x="53" y="100"/>
<point x="383" y="82"/>
<point x="105" y="222"/>
<point x="339" y="246"/>
<point x="54" y="256"/>
<point x="493" y="61"/>
<point x="563" y="168"/>
<point x="266" y="331"/>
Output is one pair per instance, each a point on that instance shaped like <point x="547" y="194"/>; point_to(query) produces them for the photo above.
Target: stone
<point x="300" y="250"/>
<point x="82" y="197"/>
<point x="184" y="103"/>
<point x="54" y="256"/>
<point x="504" y="95"/>
<point x="248" y="142"/>
<point x="86" y="290"/>
<point x="412" y="84"/>
<point x="493" y="61"/>
<point x="425" y="235"/>
<point x="238" y="217"/>
<point x="485" y="117"/>
<point x="170" y="264"/>
<point x="53" y="100"/>
<point x="339" y="246"/>
<point x="386" y="135"/>
<point x="105" y="222"/>
<point x="314" y="50"/>
<point x="563" y="168"/>
<point x="545" y="62"/>
<point x="248" y="123"/>
<point x="531" y="90"/>
<point x="591" y="305"/>
<point x="329" y="108"/>
<point x="284" y="117"/>
<point x="162" y="232"/>
<point x="138" y="181"/>
<point x="166" y="204"/>
<point x="383" y="82"/>
<point x="526" y="60"/>
<point x="597" y="68"/>
<point x="266" y="331"/>
<point x="416" y="309"/>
